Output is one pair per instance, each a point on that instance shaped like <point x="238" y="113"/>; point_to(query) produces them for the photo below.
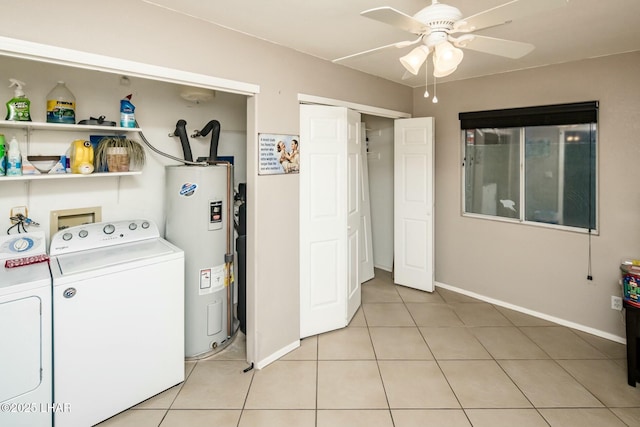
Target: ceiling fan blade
<point x="391" y="16"/>
<point x="505" y="13"/>
<point x="375" y="49"/>
<point x="507" y="48"/>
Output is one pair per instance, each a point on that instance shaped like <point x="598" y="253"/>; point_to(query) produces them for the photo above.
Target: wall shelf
<point x="30" y="126"/>
<point x="35" y="177"/>
<point x="64" y="127"/>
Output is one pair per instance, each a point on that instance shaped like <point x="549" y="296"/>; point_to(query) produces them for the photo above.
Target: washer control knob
<point x="83" y="233"/>
<point x="145" y="225"/>
<point x="133" y="226"/>
<point x="67" y="236"/>
<point x="109" y="229"/>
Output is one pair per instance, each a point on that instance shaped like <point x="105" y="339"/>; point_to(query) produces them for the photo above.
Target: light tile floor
<point x="410" y="359"/>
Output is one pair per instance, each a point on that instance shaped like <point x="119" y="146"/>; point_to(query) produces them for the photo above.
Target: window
<point x="533" y="165"/>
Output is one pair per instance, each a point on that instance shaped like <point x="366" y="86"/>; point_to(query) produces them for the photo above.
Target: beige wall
<point x="137" y="31"/>
<point x="537" y="268"/>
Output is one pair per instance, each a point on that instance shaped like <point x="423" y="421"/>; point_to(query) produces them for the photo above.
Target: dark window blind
<point x="544" y="115"/>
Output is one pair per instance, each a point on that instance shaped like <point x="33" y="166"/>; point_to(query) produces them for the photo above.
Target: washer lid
<point x="26" y="277"/>
<point x="125" y="253"/>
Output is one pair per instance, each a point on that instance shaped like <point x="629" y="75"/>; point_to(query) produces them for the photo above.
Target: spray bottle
<point x="3" y="157"/>
<point x="18" y="107"/>
<point x="14" y="159"/>
<point x="127" y="119"/>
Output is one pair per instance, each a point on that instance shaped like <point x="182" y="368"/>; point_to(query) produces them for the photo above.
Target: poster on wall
<point x="278" y="154"/>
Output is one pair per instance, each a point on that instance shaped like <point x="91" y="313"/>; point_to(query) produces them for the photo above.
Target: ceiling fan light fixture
<point x="414" y="59"/>
<point x="447" y="57"/>
<point x="439" y="72"/>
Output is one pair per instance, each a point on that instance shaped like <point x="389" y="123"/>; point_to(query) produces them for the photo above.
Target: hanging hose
<point x="168" y="156"/>
<point x="181" y="132"/>
<point x="215" y="137"/>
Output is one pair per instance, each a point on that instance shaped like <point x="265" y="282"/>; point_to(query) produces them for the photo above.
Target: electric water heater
<point x="199" y="221"/>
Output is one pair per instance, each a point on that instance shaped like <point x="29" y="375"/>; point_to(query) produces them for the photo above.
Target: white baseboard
<point x="277" y="355"/>
<point x="559" y="321"/>
<point x="383" y="267"/>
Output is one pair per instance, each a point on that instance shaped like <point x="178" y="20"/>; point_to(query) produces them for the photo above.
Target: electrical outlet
<point x="616" y="303"/>
<point x="19" y="210"/>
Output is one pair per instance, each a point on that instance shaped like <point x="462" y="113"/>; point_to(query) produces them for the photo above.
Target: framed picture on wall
<point x="278" y="154"/>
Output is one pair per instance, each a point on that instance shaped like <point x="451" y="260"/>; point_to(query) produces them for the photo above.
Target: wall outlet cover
<point x="616" y="303"/>
<point x="22" y="210"/>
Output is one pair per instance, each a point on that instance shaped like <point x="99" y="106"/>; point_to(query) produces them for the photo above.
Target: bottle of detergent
<point x="81" y="157"/>
<point x="61" y="105"/>
<point x="14" y="159"/>
<point x="127" y="119"/>
<point x="18" y="107"/>
<point x="3" y="157"/>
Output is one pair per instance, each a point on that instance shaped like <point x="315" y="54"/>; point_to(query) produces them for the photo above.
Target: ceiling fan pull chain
<point x="426" y="79"/>
<point x="435" y="97"/>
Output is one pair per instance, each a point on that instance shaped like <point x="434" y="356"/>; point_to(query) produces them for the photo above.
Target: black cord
<point x="590" y="207"/>
<point x="20" y="223"/>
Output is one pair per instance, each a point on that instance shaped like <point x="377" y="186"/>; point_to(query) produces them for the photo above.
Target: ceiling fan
<point x="435" y="24"/>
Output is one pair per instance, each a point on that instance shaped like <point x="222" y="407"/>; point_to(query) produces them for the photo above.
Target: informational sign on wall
<point x="278" y="154"/>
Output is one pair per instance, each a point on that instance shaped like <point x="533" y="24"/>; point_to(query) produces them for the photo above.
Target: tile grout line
<point x="375" y="354"/>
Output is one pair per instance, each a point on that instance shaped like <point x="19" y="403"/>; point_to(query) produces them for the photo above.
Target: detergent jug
<point x="81" y="157"/>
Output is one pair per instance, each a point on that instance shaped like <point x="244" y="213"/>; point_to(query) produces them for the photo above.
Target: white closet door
<point x="328" y="248"/>
<point x="354" y="212"/>
<point x="413" y="203"/>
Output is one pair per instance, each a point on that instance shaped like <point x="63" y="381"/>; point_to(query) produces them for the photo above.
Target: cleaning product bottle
<point x="61" y="105"/>
<point x="127" y="119"/>
<point x="14" y="159"/>
<point x="3" y="157"/>
<point x="18" y="107"/>
<point x="81" y="157"/>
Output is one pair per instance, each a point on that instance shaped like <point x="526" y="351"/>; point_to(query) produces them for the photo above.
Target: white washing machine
<point x="118" y="318"/>
<point x="25" y="334"/>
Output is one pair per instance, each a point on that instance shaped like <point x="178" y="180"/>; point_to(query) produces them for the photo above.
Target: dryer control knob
<point x="109" y="229"/>
<point x="145" y="224"/>
<point x="22" y="244"/>
<point x="67" y="236"/>
<point x="83" y="233"/>
<point x="133" y="226"/>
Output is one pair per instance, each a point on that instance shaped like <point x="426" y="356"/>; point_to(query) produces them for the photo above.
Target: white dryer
<point x="118" y="318"/>
<point x="25" y="334"/>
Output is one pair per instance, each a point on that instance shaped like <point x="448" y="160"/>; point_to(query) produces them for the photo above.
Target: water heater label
<point x="205" y="279"/>
<point x="215" y="214"/>
<point x="211" y="279"/>
<point x="188" y="189"/>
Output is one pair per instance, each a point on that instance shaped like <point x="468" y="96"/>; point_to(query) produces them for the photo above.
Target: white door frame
<point x="360" y="108"/>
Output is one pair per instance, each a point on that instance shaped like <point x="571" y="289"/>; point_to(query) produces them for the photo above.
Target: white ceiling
<point x="331" y="29"/>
